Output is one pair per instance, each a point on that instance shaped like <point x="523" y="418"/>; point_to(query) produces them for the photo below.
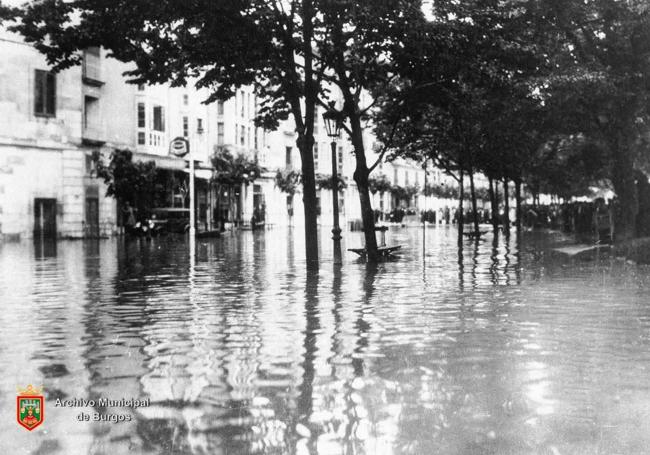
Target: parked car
<point x="171" y="219"/>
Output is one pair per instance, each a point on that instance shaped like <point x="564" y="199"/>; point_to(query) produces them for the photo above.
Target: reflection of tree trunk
<point x="518" y="260"/>
<point x="461" y="190"/>
<point x="312" y="327"/>
<point x="494" y="267"/>
<point x="474" y="206"/>
<point x="518" y="209"/>
<point x="475" y="261"/>
<point x="494" y="207"/>
<point x="461" y="267"/>
<point x="362" y="326"/>
<point x="506" y="257"/>
<point x="506" y="208"/>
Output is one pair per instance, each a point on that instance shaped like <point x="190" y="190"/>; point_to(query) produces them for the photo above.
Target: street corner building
<point x="48" y="132"/>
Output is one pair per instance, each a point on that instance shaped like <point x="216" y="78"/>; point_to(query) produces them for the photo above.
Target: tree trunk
<point x="309" y="200"/>
<point x="626" y="191"/>
<point x="518" y="198"/>
<point x="506" y="208"/>
<point x="474" y="206"/>
<point x="461" y="191"/>
<point x="361" y="178"/>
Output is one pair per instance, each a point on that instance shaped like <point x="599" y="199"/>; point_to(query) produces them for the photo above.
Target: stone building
<point x="50" y="125"/>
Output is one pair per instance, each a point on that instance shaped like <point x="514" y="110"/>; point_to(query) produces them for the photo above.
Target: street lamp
<point x="333" y="128"/>
<point x="199" y="132"/>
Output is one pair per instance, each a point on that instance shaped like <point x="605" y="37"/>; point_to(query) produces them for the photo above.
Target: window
<point x="406" y="177"/>
<point x="340" y="163"/>
<point x="45" y="94"/>
<point x="287" y="158"/>
<point x="395" y="180"/>
<point x="256" y="139"/>
<point x="91" y="165"/>
<point x="219" y="107"/>
<point x="248" y="136"/>
<point x="242" y="135"/>
<point x="186" y="127"/>
<point x="199" y="125"/>
<point x="91" y="112"/>
<point x="141" y="115"/>
<point x="220" y="133"/>
<point x="142" y="138"/>
<point x="243" y="104"/>
<point x="316" y="157"/>
<point x="186" y="99"/>
<point x="140" y="87"/>
<point x="158" y="118"/>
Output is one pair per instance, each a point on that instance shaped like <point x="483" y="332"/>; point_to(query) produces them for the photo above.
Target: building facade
<point x="52" y="124"/>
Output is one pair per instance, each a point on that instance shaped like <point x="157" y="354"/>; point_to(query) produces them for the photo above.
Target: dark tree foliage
<point x="551" y="94"/>
<point x="405" y="192"/>
<point x="234" y="170"/>
<point x="324" y="182"/>
<point x="360" y="44"/>
<point x="600" y="89"/>
<point x="287" y="181"/>
<point x="127" y="181"/>
<point x="379" y="184"/>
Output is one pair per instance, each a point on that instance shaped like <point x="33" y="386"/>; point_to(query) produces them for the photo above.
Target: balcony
<point x="94" y="133"/>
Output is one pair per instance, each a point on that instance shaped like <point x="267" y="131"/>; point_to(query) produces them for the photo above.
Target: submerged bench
<point x="382" y="250"/>
<point x="473" y="234"/>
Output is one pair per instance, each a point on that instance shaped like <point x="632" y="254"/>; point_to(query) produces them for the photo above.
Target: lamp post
<point x="333" y="128"/>
<point x="199" y="133"/>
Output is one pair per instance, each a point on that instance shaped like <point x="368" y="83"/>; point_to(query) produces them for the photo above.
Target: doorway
<point x="45" y="218"/>
<point x="92" y="217"/>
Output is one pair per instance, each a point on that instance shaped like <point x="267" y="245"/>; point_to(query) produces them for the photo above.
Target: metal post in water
<point x="336" y="230"/>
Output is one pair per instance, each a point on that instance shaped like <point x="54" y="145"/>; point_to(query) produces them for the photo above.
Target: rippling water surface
<point x="505" y="348"/>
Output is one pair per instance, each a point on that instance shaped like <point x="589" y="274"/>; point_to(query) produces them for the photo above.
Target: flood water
<point x="501" y="349"/>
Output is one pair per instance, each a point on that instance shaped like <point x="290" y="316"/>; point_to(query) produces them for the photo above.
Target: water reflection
<point x="502" y="346"/>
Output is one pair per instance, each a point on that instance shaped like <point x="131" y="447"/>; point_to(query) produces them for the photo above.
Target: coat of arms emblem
<point x="30" y="407"/>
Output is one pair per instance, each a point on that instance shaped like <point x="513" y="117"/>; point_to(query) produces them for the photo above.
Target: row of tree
<point x="549" y="94"/>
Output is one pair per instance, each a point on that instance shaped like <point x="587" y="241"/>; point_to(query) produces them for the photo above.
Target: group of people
<point x="593" y="218"/>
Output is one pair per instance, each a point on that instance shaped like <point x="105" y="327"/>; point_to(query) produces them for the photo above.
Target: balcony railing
<point x="94" y="133"/>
